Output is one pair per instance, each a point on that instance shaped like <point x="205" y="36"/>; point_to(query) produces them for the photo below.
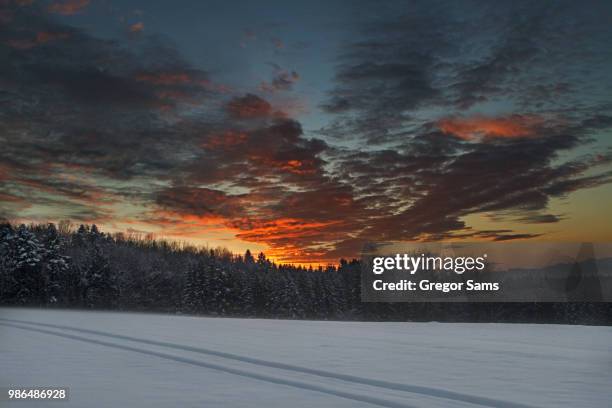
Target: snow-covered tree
<point x="22" y="258"/>
<point x="99" y="283"/>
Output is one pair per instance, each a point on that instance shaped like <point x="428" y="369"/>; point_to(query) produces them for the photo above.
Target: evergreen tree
<point x="193" y="291"/>
<point x="7" y="262"/>
<point x="55" y="264"/>
<point x="28" y="254"/>
<point x="248" y="257"/>
<point x="100" y="288"/>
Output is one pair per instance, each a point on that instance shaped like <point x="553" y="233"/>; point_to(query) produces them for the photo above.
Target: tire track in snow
<point x="262" y="377"/>
<point x="415" y="389"/>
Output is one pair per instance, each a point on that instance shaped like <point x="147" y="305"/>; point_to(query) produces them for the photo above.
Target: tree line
<point x="45" y="265"/>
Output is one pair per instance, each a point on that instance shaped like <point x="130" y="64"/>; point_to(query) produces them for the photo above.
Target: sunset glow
<point x="278" y="133"/>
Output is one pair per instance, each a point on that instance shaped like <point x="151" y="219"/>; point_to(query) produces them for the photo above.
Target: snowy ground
<point x="148" y="360"/>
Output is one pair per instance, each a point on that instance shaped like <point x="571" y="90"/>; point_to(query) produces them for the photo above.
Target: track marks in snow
<point x="217" y="367"/>
<point x="409" y="388"/>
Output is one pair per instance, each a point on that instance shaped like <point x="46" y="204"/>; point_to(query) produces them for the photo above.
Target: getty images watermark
<point x="413" y="264"/>
<point x="487" y="272"/>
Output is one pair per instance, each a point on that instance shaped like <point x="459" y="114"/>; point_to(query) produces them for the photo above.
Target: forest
<point x="44" y="265"/>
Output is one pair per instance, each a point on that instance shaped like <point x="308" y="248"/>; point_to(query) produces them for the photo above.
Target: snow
<point x="149" y="360"/>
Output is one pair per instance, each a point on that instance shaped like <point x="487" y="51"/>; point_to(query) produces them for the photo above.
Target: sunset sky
<point x="306" y="129"/>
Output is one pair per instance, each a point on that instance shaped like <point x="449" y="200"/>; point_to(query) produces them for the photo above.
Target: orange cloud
<point x="188" y="225"/>
<point x="282" y="228"/>
<point x="68" y="7"/>
<point x="42" y="37"/>
<point x="136" y="27"/>
<point x="281" y="236"/>
<point x="164" y="78"/>
<point x="294" y="166"/>
<point x="497" y="127"/>
<point x="227" y="139"/>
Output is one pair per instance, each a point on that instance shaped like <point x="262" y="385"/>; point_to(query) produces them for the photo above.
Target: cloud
<point x="278" y="43"/>
<point x="247" y="37"/>
<point x="399" y="87"/>
<point x="68" y="7"/>
<point x="199" y="201"/>
<point x="540" y="218"/>
<point x="165" y="78"/>
<point x="471" y="128"/>
<point x="20" y="44"/>
<point x="45" y="36"/>
<point x="136" y="27"/>
<point x="279" y="174"/>
<point x="424" y="190"/>
<point x="449" y="58"/>
<point x="254" y="156"/>
<point x="91" y="106"/>
<point x="249" y="106"/>
<point x="29" y="40"/>
<point x="514" y="52"/>
<point x="10" y="198"/>
<point x="282" y="81"/>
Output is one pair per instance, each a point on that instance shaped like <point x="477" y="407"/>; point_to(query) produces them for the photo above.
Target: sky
<point x="307" y="129"/>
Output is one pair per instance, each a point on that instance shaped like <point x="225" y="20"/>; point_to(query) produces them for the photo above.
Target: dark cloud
<point x="443" y="56"/>
<point x="74" y="104"/>
<point x="275" y="149"/>
<point x="540" y="218"/>
<point x="87" y="102"/>
<point x="282" y="81"/>
<point x="515" y="50"/>
<point x="386" y="72"/>
<point x="199" y="201"/>
<point x="432" y="188"/>
<point x="249" y="106"/>
<point x="421" y="191"/>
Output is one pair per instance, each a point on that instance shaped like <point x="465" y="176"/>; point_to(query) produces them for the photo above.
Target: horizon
<point x="509" y="255"/>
